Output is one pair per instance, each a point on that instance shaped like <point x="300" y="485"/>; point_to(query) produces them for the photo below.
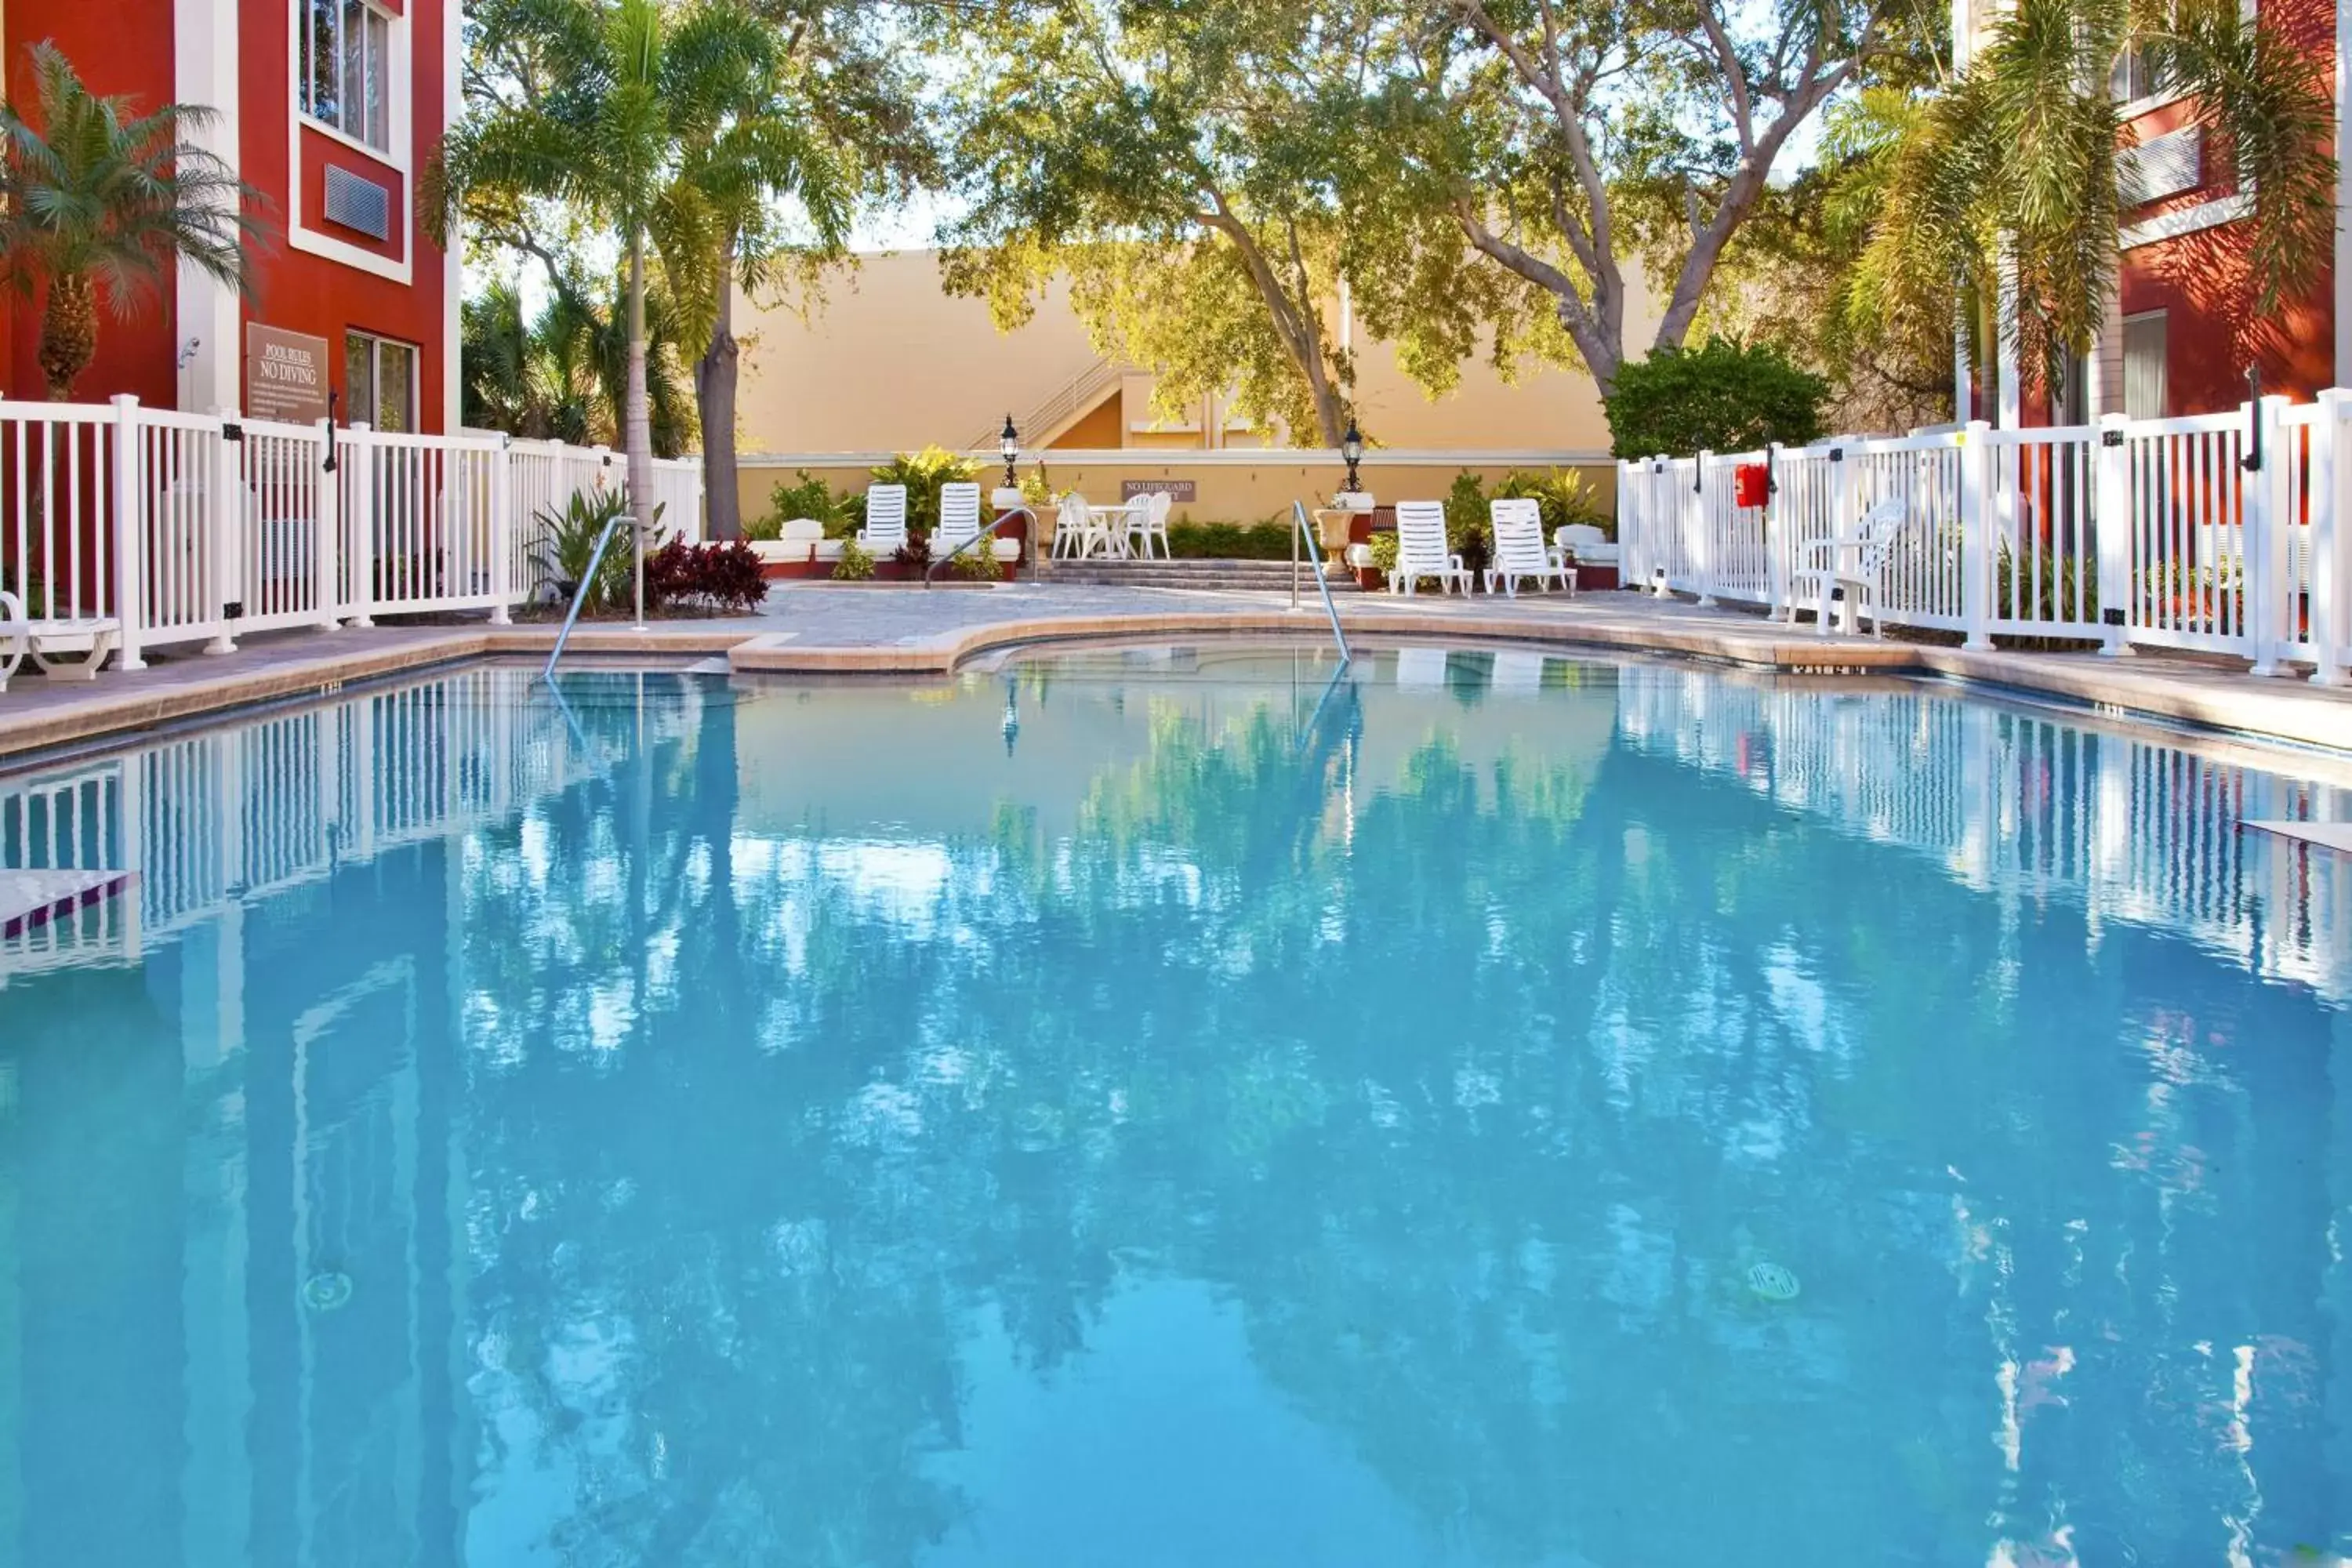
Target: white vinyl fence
<point x="2222" y="532"/>
<point x="176" y="528"/>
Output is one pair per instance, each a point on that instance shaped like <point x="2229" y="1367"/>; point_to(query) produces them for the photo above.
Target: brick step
<point x="1266" y="577"/>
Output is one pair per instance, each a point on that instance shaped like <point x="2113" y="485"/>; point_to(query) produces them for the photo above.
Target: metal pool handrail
<point x="587" y="581"/>
<point x="1315" y="554"/>
<point x="988" y="534"/>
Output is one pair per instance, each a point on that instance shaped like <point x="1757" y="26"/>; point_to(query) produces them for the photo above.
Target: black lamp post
<point x="1008" y="443"/>
<point x="1351" y="447"/>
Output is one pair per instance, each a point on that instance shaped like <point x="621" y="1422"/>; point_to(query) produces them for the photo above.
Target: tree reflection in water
<point x="843" y="1092"/>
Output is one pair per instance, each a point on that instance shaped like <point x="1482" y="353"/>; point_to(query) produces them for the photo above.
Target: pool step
<point x="1250" y="576"/>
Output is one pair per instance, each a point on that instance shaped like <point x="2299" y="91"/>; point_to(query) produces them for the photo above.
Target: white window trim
<point x="397" y="78"/>
<point x="2185" y="220"/>
<point x="311" y="241"/>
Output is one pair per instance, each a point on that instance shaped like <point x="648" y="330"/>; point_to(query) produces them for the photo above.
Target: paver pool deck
<point x="821" y="629"/>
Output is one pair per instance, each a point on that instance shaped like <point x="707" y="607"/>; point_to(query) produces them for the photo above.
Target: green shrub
<point x="1562" y="494"/>
<point x="923" y="473"/>
<point x="1725" y="397"/>
<point x="1268" y="540"/>
<point x="1468" y="532"/>
<point x="978" y="564"/>
<point x="808" y="497"/>
<point x="856" y="564"/>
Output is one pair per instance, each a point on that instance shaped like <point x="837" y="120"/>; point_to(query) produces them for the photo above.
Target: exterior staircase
<point x="1232" y="576"/>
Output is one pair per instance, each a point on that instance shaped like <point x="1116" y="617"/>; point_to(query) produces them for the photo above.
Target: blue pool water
<point x="1170" y="1107"/>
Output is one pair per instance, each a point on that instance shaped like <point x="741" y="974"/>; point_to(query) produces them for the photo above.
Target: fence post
<point x="2262" y="514"/>
<point x="359" y="469"/>
<point x="1845" y="514"/>
<point x="1775" y="531"/>
<point x="1700" y="533"/>
<point x="326" y="552"/>
<point x="2111" y="516"/>
<point x="226" y="524"/>
<point x="2331" y="467"/>
<point x="1978" y="529"/>
<point x="130" y="534"/>
<point x="501" y="532"/>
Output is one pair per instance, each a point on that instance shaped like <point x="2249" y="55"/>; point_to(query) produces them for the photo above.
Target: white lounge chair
<point x="1520" y="549"/>
<point x="1851" y="568"/>
<point x="1586" y="543"/>
<point x="884" y="533"/>
<point x="801" y="541"/>
<point x="958" y="519"/>
<point x="1421" y="549"/>
<point x="21" y="636"/>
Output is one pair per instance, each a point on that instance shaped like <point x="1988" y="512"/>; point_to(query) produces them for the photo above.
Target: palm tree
<point x="735" y="177"/>
<point x="563" y="373"/>
<point x="2006" y="176"/>
<point x="98" y="199"/>
<point x="630" y="100"/>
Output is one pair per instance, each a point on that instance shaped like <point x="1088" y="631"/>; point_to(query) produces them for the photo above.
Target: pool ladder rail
<point x="1300" y="530"/>
<point x="588" y="581"/>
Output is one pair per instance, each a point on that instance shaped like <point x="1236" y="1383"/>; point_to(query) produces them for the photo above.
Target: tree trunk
<point x="636" y="417"/>
<point x="714" y="403"/>
<point x="69" y="333"/>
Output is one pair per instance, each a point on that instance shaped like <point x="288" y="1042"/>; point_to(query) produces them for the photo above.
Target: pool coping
<point x="2173" y="690"/>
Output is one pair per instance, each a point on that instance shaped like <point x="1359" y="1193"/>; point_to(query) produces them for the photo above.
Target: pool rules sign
<point x="285" y="374"/>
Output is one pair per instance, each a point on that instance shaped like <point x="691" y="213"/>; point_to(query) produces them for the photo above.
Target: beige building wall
<point x="888" y="361"/>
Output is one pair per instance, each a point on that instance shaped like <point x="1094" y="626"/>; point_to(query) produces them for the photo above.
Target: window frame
<point x="2162" y="319"/>
<point x="392" y="77"/>
<point x="377" y="342"/>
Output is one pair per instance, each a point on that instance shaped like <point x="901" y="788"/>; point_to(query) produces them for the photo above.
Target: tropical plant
<point x="2006" y="176"/>
<point x="723" y="578"/>
<point x="979" y="563"/>
<point x="567" y="547"/>
<point x="98" y="199"/>
<point x="856" y="563"/>
<point x="1469" y="533"/>
<point x="1560" y="494"/>
<point x="923" y="473"/>
<point x="1723" y="397"/>
<point x="626" y="96"/>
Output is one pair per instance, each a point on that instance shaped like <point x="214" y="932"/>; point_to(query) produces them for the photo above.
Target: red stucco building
<point x="2182" y="331"/>
<point x="330" y="108"/>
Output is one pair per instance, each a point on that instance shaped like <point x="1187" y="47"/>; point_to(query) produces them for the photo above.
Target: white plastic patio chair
<point x="1148" y="521"/>
<point x="1421" y="549"/>
<point x="1851" y="568"/>
<point x="885" y="519"/>
<point x="1072" y="524"/>
<point x="1588" y="545"/>
<point x="1520" y="549"/>
<point x="958" y="519"/>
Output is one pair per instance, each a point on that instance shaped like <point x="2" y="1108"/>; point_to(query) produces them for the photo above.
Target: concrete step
<point x="1263" y="576"/>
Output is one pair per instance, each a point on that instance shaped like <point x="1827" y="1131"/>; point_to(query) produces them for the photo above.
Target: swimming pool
<point x="1175" y="1106"/>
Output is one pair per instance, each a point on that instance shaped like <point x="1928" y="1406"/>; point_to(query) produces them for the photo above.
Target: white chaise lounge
<point x="1421" y="552"/>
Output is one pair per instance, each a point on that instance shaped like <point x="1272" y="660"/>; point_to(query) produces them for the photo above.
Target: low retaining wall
<point x="1227" y="485"/>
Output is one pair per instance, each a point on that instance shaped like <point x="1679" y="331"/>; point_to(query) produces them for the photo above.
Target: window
<point x="347" y="68"/>
<point x="2136" y="78"/>
<point x="379" y="382"/>
<point x="2144" y="354"/>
